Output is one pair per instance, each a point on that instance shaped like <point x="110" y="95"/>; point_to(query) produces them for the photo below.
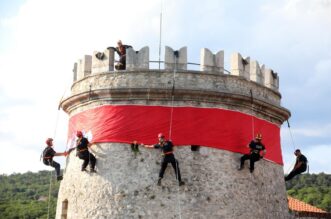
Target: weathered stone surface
<point x="171" y="61"/>
<point x="105" y="64"/>
<point x="210" y="62"/>
<point x="271" y="79"/>
<point x="212" y="90"/>
<point x="125" y="186"/>
<point x="74" y="70"/>
<point x="255" y="72"/>
<point x="137" y="60"/>
<point x="84" y="67"/>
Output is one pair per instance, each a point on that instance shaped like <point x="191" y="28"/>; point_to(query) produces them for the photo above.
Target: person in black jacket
<point x="48" y="155"/>
<point x="83" y="153"/>
<point x="166" y="147"/>
<point x="300" y="165"/>
<point x="256" y="147"/>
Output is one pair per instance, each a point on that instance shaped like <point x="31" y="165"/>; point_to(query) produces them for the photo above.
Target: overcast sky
<point x="41" y="39"/>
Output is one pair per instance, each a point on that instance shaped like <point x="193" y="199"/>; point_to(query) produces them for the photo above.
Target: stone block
<point x="84" y="67"/>
<point x="103" y="61"/>
<point x="271" y="79"/>
<point x="210" y="62"/>
<point x="255" y="72"/>
<point x="175" y="59"/>
<point x="240" y="65"/>
<point x="74" y="70"/>
<point x="137" y="60"/>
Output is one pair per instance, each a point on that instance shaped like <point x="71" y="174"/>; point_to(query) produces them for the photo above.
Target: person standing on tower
<point x="300" y="165"/>
<point x="83" y="153"/>
<point x="48" y="155"/>
<point x="121" y="51"/>
<point x="256" y="147"/>
<point x="166" y="147"/>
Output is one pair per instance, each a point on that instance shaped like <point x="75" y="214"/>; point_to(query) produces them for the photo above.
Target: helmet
<point x="79" y="134"/>
<point x="259" y="136"/>
<point x="49" y="141"/>
<point x="160" y="135"/>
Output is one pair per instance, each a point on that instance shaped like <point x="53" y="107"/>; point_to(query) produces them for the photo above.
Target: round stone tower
<point x="216" y="110"/>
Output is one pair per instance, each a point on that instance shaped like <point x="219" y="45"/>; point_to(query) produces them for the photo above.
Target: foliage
<point x="314" y="189"/>
<point x="26" y="195"/>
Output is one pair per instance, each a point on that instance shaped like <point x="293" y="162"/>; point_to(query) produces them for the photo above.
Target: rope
<point x="252" y="110"/>
<point x="178" y="201"/>
<point x="170" y="131"/>
<point x="54" y="135"/>
<point x="292" y="139"/>
<point x="293" y="144"/>
<point x="172" y="98"/>
<point x="49" y="194"/>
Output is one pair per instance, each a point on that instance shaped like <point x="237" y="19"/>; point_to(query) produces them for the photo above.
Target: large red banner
<point x="211" y="127"/>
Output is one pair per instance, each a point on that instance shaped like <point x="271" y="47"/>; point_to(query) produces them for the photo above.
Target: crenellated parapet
<point x="210" y="63"/>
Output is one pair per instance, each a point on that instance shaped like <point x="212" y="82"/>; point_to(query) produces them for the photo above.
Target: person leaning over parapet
<point x="256" y="147"/>
<point x="166" y="147"/>
<point x="300" y="165"/>
<point x="83" y="153"/>
<point x="48" y="155"/>
<point x="121" y="51"/>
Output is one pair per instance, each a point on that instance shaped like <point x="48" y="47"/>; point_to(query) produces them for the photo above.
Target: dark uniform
<point x="135" y="148"/>
<point x="48" y="155"/>
<point x="84" y="154"/>
<point x="256" y="147"/>
<point x="168" y="157"/>
<point x="301" y="158"/>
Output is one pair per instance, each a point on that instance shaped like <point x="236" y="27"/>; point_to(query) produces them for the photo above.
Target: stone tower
<point x="226" y="109"/>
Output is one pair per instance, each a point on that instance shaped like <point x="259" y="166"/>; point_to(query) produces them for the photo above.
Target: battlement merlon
<point x="101" y="62"/>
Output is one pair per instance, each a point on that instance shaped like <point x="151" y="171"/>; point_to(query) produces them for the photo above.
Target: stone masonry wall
<point x="125" y="186"/>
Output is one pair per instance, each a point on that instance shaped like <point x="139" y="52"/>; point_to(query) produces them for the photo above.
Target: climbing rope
<point x="293" y="145"/>
<point x="173" y="95"/>
<point x="51" y="172"/>
<point x="292" y="139"/>
<point x="170" y="129"/>
<point x="252" y="111"/>
<point x="49" y="194"/>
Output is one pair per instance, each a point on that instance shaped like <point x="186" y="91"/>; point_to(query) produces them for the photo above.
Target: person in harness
<point x="83" y="153"/>
<point x="166" y="147"/>
<point x="48" y="155"/>
<point x="300" y="165"/>
<point x="256" y="147"/>
<point x="121" y="51"/>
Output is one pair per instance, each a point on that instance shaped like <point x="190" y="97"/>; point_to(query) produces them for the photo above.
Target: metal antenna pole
<point x="160" y="40"/>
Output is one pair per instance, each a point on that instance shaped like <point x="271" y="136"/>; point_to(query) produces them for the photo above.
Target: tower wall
<point x="125" y="185"/>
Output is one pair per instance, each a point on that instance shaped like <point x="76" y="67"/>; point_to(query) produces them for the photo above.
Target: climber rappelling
<point x="300" y="165"/>
<point x="256" y="147"/>
<point x="48" y="155"/>
<point x="83" y="153"/>
<point x="166" y="147"/>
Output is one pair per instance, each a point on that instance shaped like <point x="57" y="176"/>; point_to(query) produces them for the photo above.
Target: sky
<point x="41" y="39"/>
